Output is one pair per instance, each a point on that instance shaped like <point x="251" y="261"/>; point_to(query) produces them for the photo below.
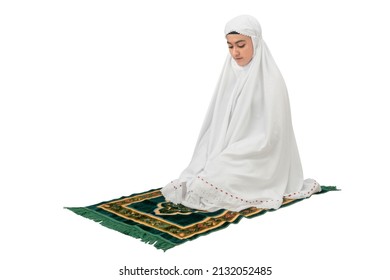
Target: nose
<point x="236" y="52"/>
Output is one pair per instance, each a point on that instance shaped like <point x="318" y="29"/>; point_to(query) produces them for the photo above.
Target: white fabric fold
<point x="246" y="154"/>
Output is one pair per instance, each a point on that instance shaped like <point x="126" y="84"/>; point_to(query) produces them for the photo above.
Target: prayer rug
<point x="149" y="217"/>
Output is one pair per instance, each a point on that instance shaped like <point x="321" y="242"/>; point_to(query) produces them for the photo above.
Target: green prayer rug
<point x="149" y="217"/>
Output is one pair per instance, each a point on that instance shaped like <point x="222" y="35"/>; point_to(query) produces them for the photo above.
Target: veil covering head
<point x="246" y="154"/>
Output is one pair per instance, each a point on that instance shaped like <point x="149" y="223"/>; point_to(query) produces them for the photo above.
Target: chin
<point x="242" y="63"/>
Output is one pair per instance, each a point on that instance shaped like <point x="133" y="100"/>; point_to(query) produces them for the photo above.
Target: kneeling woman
<point x="246" y="154"/>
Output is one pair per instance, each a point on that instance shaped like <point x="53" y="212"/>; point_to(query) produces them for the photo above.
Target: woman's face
<point x="241" y="48"/>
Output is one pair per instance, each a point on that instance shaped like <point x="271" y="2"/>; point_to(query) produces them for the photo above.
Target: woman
<point x="246" y="154"/>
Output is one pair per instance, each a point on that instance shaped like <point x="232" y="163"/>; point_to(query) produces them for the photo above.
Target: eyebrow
<point x="239" y="41"/>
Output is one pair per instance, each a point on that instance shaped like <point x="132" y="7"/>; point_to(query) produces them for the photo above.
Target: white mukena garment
<point x="246" y="154"/>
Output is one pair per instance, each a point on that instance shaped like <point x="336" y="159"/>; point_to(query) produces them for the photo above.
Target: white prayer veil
<point x="246" y="154"/>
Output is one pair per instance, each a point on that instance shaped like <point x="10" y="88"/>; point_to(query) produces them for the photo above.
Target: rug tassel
<point x="133" y="231"/>
<point x="329" y="188"/>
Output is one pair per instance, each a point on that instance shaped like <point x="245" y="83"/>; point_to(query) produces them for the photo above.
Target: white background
<point x="100" y="99"/>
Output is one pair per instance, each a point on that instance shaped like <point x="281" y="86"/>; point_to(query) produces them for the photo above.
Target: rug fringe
<point x="133" y="231"/>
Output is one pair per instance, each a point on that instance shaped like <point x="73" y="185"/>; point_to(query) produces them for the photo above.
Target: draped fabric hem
<point x="206" y="196"/>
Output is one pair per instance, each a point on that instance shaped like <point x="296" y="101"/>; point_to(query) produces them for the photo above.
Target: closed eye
<point x="239" y="46"/>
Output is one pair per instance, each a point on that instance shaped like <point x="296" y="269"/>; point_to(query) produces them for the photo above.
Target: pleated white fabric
<point x="246" y="154"/>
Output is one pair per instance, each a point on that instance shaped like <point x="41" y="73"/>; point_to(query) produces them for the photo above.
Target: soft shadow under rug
<point x="149" y="217"/>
